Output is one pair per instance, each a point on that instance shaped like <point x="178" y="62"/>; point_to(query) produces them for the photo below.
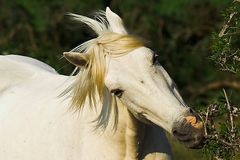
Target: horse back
<point x="15" y="69"/>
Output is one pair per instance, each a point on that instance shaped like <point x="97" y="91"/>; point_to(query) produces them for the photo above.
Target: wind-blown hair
<point x="89" y="83"/>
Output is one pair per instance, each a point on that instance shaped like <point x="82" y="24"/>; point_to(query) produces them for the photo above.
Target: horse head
<point x="117" y="66"/>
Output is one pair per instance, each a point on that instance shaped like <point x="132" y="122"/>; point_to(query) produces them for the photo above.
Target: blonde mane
<point x="89" y="83"/>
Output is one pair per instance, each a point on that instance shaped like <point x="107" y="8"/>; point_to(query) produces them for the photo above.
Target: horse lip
<point x="190" y="141"/>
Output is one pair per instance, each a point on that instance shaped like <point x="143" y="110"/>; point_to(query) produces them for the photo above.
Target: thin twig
<point x="217" y="158"/>
<point x="222" y="141"/>
<point x="232" y="34"/>
<point x="228" y="69"/>
<point x="230" y="110"/>
<point x="234" y="53"/>
<point x="226" y="25"/>
<point x="206" y="120"/>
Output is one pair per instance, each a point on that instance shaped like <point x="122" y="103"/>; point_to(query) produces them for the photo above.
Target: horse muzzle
<point x="189" y="131"/>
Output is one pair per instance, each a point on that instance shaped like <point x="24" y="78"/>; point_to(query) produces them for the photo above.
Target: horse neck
<point x="126" y="139"/>
<point x="133" y="132"/>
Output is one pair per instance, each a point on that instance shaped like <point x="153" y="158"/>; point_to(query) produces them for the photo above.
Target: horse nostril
<point x="174" y="132"/>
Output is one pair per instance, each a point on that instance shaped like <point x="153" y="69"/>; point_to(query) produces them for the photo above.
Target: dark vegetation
<point x="222" y="126"/>
<point x="198" y="44"/>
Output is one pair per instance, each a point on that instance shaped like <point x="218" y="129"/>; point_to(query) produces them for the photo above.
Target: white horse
<point x="122" y="98"/>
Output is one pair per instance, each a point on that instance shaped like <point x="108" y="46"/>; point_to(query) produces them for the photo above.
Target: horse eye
<point x="117" y="92"/>
<point x="155" y="59"/>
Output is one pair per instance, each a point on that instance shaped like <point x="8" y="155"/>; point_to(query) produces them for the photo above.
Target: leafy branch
<point x="221" y="129"/>
<point x="225" y="44"/>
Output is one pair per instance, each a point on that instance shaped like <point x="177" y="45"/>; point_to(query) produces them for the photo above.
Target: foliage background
<point x="178" y="30"/>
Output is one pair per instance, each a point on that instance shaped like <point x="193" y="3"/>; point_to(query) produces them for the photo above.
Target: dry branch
<point x="211" y="133"/>
<point x="230" y="110"/>
<point x="212" y="86"/>
<point x="226" y="25"/>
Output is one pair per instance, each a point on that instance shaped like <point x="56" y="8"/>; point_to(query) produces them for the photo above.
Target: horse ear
<point x="115" y="22"/>
<point x="76" y="58"/>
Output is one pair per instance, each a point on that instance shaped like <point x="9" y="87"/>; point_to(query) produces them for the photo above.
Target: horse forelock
<point x="89" y="83"/>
